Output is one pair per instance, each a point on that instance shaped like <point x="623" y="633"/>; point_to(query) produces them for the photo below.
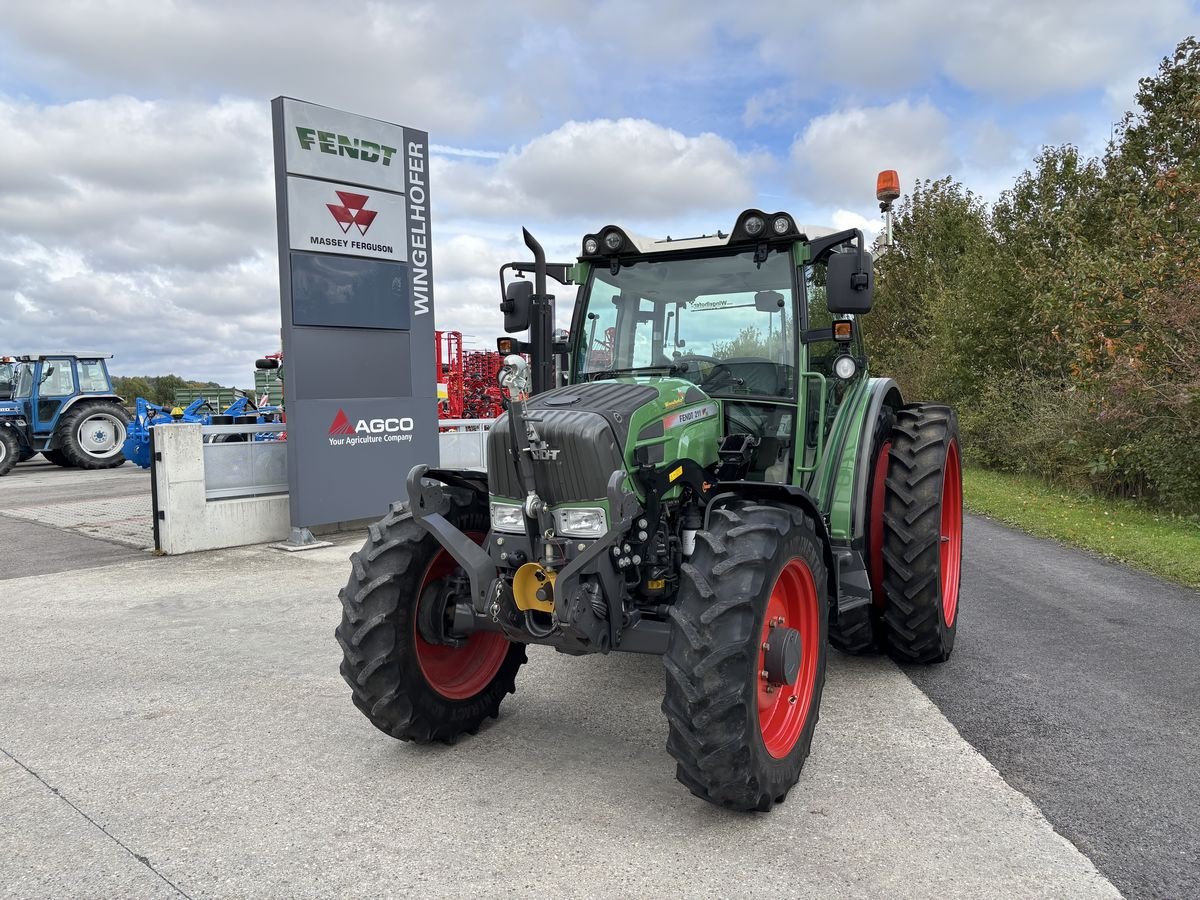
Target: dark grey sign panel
<point x="345" y="292"/>
<point x="356" y="297"/>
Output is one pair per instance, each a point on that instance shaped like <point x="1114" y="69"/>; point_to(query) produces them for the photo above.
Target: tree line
<point x="1063" y="320"/>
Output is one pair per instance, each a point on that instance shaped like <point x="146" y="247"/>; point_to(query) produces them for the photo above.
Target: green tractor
<point x="716" y="478"/>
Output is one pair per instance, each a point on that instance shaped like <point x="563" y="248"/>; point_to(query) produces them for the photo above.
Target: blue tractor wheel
<point x="91" y="436"/>
<point x="10" y="449"/>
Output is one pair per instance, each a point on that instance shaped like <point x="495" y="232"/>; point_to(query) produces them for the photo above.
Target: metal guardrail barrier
<point x="463" y="443"/>
<point x="237" y="465"/>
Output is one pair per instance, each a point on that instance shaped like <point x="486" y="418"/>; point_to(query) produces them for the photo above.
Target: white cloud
<point x="838" y="156"/>
<point x="610" y="170"/>
<point x="844" y="218"/>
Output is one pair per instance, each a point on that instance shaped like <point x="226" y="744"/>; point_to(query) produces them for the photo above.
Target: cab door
<point x="54" y="385"/>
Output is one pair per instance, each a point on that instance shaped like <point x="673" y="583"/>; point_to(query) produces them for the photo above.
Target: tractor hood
<point x="9" y="408"/>
<point x="579" y="434"/>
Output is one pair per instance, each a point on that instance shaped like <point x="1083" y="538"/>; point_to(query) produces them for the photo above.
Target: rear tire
<point x="922" y="544"/>
<point x="10" y="450"/>
<point x="92" y="435"/>
<point x="408" y="688"/>
<point x="738" y="744"/>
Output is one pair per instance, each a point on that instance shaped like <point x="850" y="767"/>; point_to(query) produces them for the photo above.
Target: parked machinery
<point x="62" y="405"/>
<point x="467" y="379"/>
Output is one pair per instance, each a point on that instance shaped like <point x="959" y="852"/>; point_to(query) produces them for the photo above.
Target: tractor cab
<point x="8" y="374"/>
<point x="746" y="316"/>
<point x="62" y="405"/>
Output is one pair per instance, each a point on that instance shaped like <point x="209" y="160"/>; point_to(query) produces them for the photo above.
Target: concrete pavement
<point x="177" y="726"/>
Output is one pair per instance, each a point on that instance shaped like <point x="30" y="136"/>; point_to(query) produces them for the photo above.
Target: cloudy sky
<point x="136" y="194"/>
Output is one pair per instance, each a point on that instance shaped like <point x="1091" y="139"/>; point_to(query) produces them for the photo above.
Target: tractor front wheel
<point x="745" y="664"/>
<point x="922" y="535"/>
<point x="10" y="450"/>
<point x="91" y="436"/>
<point x="407" y="686"/>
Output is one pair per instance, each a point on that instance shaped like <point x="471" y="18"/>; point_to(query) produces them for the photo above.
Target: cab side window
<point x="92" y="377"/>
<point x="58" y="378"/>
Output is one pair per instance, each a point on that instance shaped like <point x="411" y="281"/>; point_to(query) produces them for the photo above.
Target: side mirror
<point x="517" y="306"/>
<point x="768" y="301"/>
<point x="847" y="290"/>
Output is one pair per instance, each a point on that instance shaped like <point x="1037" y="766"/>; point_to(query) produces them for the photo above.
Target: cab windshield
<point x="724" y="322"/>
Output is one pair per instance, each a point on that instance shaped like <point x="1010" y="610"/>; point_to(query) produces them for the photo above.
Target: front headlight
<point x="585" y="522"/>
<point x="508" y="517"/>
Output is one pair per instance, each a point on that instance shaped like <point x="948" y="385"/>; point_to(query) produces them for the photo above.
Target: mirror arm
<point x="822" y="247"/>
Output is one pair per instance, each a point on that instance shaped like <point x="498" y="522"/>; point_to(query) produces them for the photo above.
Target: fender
<point x="786" y="495"/>
<point x="81" y="397"/>
<point x="884" y="392"/>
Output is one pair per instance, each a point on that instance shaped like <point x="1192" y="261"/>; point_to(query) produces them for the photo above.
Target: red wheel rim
<point x="783" y="708"/>
<point x="458" y="673"/>
<point x="950" y="548"/>
<point x="875" y="525"/>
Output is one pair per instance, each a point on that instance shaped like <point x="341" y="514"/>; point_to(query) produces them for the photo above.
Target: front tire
<point x="407" y="687"/>
<point x="739" y="738"/>
<point x="92" y="435"/>
<point x="10" y="450"/>
<point x="58" y="458"/>
<point x="922" y="535"/>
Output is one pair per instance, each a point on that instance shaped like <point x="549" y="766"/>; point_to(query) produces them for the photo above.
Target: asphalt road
<point x="1080" y="681"/>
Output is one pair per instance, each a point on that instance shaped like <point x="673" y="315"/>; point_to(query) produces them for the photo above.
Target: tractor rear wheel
<point x="91" y="436"/>
<point x="922" y="535"/>
<point x="406" y="686"/>
<point x="745" y="664"/>
<point x="58" y="458"/>
<point x="10" y="450"/>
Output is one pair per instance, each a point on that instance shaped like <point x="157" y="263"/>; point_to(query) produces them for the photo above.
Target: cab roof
<point x="751" y="228"/>
<point x="34" y="357"/>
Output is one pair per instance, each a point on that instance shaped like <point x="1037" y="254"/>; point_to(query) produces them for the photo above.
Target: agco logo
<point x="391" y="430"/>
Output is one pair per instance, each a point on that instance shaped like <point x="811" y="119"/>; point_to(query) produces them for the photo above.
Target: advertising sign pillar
<point x="356" y="297"/>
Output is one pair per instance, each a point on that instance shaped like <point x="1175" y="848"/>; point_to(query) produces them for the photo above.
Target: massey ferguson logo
<point x="352" y="212"/>
<point x="392" y="430"/>
<point x="538" y="449"/>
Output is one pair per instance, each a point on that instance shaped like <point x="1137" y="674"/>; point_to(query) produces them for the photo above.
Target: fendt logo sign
<point x="341" y="145"/>
<point x="352" y="211"/>
<point x="392" y="430"/>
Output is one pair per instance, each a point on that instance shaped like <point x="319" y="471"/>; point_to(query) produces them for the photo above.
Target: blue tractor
<point x="61" y="405"/>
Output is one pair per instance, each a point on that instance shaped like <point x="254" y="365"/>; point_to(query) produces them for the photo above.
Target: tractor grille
<point x="588" y="454"/>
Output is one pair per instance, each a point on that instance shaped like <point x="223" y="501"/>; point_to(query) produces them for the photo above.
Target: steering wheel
<point x="690" y="359"/>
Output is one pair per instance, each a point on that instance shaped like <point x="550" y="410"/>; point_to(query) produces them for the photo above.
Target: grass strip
<point x="1160" y="543"/>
